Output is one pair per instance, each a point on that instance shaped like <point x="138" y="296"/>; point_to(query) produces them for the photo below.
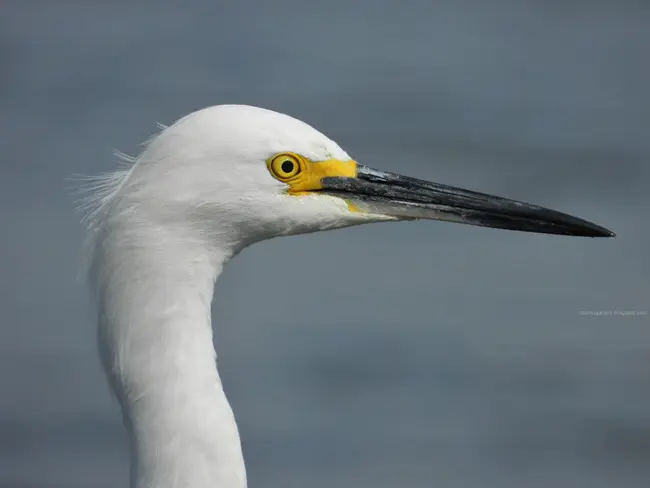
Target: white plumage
<point x="162" y="231"/>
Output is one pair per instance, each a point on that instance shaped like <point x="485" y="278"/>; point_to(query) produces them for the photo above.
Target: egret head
<point x="248" y="174"/>
<point x="162" y="230"/>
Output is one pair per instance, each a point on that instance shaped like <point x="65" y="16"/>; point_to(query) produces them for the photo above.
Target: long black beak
<point x="402" y="197"/>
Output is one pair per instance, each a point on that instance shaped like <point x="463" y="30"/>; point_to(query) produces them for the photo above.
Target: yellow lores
<point x="303" y="175"/>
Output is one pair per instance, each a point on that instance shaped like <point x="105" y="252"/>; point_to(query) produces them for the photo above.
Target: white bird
<point x="162" y="230"/>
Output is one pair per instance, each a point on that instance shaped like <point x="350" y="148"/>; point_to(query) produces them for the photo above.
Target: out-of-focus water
<point x="415" y="354"/>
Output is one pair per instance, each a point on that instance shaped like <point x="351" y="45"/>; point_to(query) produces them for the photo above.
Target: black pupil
<point x="287" y="166"/>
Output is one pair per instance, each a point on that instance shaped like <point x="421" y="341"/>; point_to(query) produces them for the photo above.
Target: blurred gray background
<point x="466" y="359"/>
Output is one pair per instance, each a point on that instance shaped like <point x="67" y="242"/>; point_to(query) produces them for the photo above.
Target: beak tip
<point x="602" y="232"/>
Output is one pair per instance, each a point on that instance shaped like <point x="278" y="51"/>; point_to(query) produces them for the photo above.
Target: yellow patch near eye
<point x="303" y="175"/>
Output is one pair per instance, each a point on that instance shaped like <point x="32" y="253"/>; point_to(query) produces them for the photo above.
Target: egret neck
<point x="157" y="348"/>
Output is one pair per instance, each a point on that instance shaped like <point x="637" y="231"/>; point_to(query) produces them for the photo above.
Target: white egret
<point x="161" y="231"/>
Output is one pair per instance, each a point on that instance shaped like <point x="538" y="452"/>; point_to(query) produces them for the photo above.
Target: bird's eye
<point x="285" y="166"/>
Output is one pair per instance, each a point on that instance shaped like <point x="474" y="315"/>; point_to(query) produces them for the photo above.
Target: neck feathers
<point x="154" y="297"/>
